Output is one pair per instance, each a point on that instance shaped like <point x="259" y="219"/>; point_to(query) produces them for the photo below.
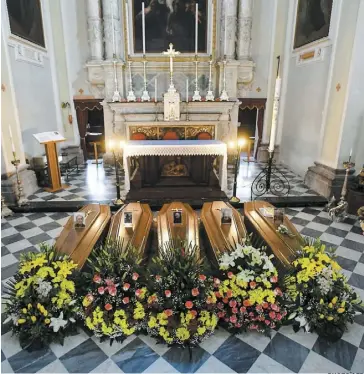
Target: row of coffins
<point x="222" y="228"/>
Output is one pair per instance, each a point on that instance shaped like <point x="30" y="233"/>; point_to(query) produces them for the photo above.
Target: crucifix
<point x="171" y="53"/>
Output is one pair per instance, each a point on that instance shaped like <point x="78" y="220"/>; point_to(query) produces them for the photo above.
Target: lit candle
<point x="273" y="129"/>
<point x="127" y="25"/>
<point x="143" y="26"/>
<point x="351" y="152"/>
<point x="155" y="91"/>
<point x="122" y="144"/>
<point x="196" y="30"/>
<point x="113" y="30"/>
<point x="187" y="91"/>
<point x="111" y="144"/>
<point x="11" y="138"/>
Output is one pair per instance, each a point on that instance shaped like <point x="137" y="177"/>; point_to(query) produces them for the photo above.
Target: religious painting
<point x="170" y="21"/>
<point x="313" y="21"/>
<point x="25" y="18"/>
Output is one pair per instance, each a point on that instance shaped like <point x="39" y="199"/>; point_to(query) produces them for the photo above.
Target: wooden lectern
<point x="50" y="140"/>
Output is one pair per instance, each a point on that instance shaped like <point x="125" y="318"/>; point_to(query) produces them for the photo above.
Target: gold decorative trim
<point x="150" y="57"/>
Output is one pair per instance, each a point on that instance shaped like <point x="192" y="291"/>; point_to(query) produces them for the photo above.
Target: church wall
<point x="304" y="103"/>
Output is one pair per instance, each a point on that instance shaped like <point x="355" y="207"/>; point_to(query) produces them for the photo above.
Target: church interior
<point x="184" y="172"/>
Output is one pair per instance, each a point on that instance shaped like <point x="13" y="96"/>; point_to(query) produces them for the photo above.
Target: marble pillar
<point x="112" y="37"/>
<point x="245" y="30"/>
<point x="228" y="21"/>
<point x="94" y="22"/>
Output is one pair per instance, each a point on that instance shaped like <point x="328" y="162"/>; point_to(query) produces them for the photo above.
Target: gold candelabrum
<point x="339" y="211"/>
<point x="21" y="200"/>
<point x="5" y="211"/>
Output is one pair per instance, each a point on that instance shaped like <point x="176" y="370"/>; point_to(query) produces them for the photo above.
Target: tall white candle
<point x="351" y="152"/>
<point x="113" y="29"/>
<point x="187" y="91"/>
<point x="171" y="64"/>
<point x="155" y="91"/>
<point x="143" y="26"/>
<point x="225" y="27"/>
<point x="196" y="30"/>
<point x="273" y="130"/>
<point x="127" y="26"/>
<point x="212" y="19"/>
<point x="12" y="141"/>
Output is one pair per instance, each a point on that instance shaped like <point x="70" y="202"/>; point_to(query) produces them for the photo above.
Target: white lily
<point x="57" y="323"/>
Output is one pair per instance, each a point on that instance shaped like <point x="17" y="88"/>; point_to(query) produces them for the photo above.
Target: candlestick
<point x="131" y="94"/>
<point x="21" y="200"/>
<point x="351" y="152"/>
<point x="196" y="95"/>
<point x="210" y="94"/>
<point x="155" y="91"/>
<point x="277" y="93"/>
<point x="127" y="26"/>
<point x="196" y="30"/>
<point x="224" y="95"/>
<point x="187" y="90"/>
<point x="145" y="95"/>
<point x="143" y="27"/>
<point x="12" y="141"/>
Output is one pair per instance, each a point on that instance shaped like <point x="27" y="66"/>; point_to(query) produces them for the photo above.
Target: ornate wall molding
<point x="27" y="53"/>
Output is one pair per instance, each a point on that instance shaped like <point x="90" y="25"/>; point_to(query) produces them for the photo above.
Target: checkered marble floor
<point x="93" y="183"/>
<point x="286" y="351"/>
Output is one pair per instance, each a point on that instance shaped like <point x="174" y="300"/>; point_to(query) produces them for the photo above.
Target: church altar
<point x="135" y="148"/>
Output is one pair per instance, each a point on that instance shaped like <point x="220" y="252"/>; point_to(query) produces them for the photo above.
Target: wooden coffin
<point x="185" y="228"/>
<point x="284" y="247"/>
<point x="221" y="237"/>
<point x="79" y="242"/>
<point x="135" y="234"/>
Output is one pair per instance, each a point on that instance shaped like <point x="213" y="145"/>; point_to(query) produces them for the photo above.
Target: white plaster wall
<point x="74" y="14"/>
<point x="302" y="116"/>
<point x="261" y="46"/>
<point x="34" y="94"/>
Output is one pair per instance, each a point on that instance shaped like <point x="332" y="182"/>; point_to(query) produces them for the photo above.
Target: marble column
<point x="228" y="20"/>
<point x="94" y="29"/>
<point x="245" y="29"/>
<point x="111" y="14"/>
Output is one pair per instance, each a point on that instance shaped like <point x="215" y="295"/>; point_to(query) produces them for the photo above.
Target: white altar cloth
<point x="135" y="148"/>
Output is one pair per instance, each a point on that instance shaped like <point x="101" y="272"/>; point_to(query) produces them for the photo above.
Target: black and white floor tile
<point x="93" y="183"/>
<point x="286" y="351"/>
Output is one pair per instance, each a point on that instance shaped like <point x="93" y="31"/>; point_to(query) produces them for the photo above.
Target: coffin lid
<point x="78" y="243"/>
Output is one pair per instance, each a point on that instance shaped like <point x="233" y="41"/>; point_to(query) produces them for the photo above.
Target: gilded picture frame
<point x="131" y="45"/>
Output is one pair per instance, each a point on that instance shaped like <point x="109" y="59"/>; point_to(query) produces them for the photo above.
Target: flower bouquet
<point x="182" y="306"/>
<point x="247" y="291"/>
<point x="321" y="298"/>
<point x="112" y="303"/>
<point x="41" y="302"/>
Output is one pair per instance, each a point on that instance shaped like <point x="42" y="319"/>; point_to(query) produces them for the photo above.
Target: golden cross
<point x="338" y="87"/>
<point x="81" y="91"/>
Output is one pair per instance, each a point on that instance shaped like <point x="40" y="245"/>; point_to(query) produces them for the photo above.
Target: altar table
<point x="135" y="148"/>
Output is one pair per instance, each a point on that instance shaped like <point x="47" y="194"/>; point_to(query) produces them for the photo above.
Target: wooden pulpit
<point x="50" y="140"/>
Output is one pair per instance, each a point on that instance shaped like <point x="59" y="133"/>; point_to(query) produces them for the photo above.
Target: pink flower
<point x="230" y="274"/>
<point x="274" y="279"/>
<point x="112" y="290"/>
<point x="232" y="303"/>
<point x="226" y="319"/>
<point x="101" y="290"/>
<point x="233" y="319"/>
<point x="243" y="309"/>
<point x="267" y="322"/>
<point x="234" y="310"/>
<point x="126" y="286"/>
<point x="195" y="292"/>
<point x="279" y="316"/>
<point x="225" y="300"/>
<point x="109" y="282"/>
<point x="202" y="277"/>
<point x="221" y="314"/>
<point x="229" y="293"/>
<point x="272" y="315"/>
<point x="275" y="307"/>
<point x="265" y="305"/>
<point x="252" y="285"/>
<point x="251" y="314"/>
<point x="168" y="312"/>
<point x="238" y="325"/>
<point x="258" y="308"/>
<point x="158" y="278"/>
<point x="138" y="292"/>
<point x="97" y="278"/>
<point x="218" y="294"/>
<point x="253" y="327"/>
<point x="108" y="306"/>
<point x="261" y="318"/>
<point x="278" y="291"/>
<point x="168" y="293"/>
<point x="189" y="304"/>
<point x="193" y="312"/>
<point x="135" y="276"/>
<point x="217" y="281"/>
<point x="126" y="300"/>
<point x="90" y="297"/>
